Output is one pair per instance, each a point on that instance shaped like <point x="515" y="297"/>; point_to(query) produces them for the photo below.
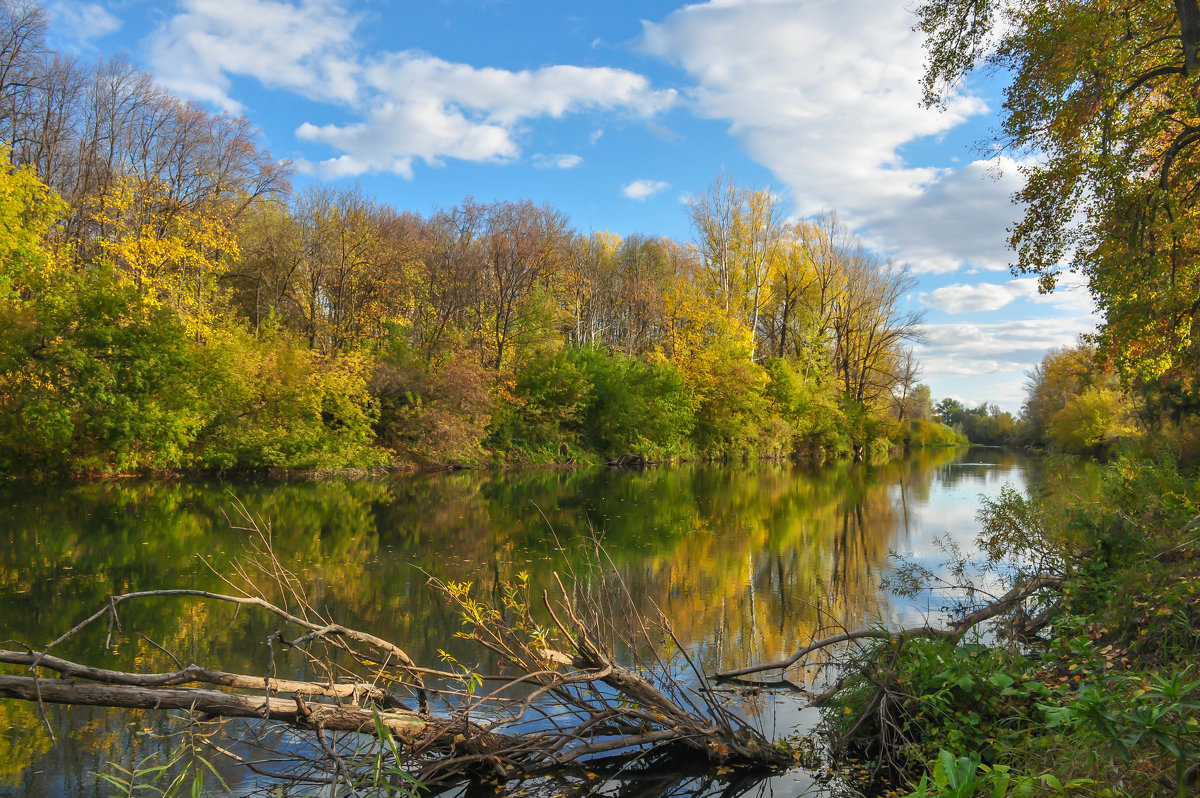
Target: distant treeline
<point x="168" y="302"/>
<point x="1076" y="403"/>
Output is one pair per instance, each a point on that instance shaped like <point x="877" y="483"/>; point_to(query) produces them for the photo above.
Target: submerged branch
<point x="953" y="632"/>
<point x="585" y="704"/>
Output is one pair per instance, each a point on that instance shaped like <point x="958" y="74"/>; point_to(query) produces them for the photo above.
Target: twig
<point x="954" y="632"/>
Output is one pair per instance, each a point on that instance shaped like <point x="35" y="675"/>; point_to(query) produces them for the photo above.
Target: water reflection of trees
<point x="747" y="563"/>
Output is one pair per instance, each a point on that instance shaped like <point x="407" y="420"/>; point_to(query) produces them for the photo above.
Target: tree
<point x="522" y="244"/>
<point x="1072" y="402"/>
<point x="169" y="254"/>
<point x="22" y="29"/>
<point x="869" y="327"/>
<point x="446" y="287"/>
<point x="740" y="237"/>
<point x="1106" y="93"/>
<point x="907" y="372"/>
<point x="1063" y="374"/>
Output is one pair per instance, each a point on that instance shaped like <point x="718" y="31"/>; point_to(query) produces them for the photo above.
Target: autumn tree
<point x="171" y="255"/>
<point x="589" y="287"/>
<point x="1106" y="94"/>
<point x="810" y="276"/>
<point x="905" y="376"/>
<point x="261" y="279"/>
<point x="1071" y="401"/>
<point x="612" y="290"/>
<point x="522" y="246"/>
<point x="870" y="326"/>
<point x="347" y="282"/>
<point x="94" y="128"/>
<point x="739" y="234"/>
<point x="22" y="31"/>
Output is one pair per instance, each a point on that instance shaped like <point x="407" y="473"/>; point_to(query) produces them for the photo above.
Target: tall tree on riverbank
<point x="739" y="234"/>
<point x="1106" y="94"/>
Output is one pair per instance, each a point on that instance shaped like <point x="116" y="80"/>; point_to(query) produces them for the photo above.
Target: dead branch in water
<point x="563" y="697"/>
<point x="954" y="632"/>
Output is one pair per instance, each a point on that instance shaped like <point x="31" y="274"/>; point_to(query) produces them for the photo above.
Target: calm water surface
<point x="744" y="561"/>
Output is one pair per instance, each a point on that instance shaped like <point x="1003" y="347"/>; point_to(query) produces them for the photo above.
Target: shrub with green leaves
<point x="634" y="408"/>
<point x="94" y="378"/>
<point x="924" y="695"/>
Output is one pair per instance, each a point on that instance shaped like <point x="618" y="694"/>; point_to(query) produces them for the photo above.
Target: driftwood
<point x="563" y="699"/>
<point x="406" y="726"/>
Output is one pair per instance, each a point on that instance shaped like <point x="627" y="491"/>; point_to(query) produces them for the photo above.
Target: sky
<point x="617" y="112"/>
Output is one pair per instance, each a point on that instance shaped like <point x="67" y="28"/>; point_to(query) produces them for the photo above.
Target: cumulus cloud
<point x="1070" y="295"/>
<point x="827" y="96"/>
<point x="303" y="47"/>
<point x="393" y="135"/>
<point x="408" y="105"/>
<point x="82" y="22"/>
<point x="959" y="218"/>
<point x="559" y="161"/>
<point x="642" y="190"/>
<point x="962" y="298"/>
<point x="507" y="97"/>
<point x="976" y="350"/>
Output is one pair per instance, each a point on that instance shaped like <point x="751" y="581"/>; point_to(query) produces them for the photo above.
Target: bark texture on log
<point x="406" y="726"/>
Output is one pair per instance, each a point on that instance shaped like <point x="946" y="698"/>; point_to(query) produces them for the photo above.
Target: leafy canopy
<point x="1104" y="97"/>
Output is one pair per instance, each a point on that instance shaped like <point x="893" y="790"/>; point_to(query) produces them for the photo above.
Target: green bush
<point x="95" y="379"/>
<point x="815" y="421"/>
<point x="540" y="418"/>
<point x="634" y="408"/>
<point x="1092" y="422"/>
<point x="933" y="695"/>
<point x="731" y="407"/>
<point x="920" y="432"/>
<point x="279" y="404"/>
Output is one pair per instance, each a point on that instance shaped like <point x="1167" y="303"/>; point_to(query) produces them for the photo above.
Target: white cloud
<point x="507" y="97"/>
<point x="408" y="105"/>
<point x="559" y="161"/>
<point x="826" y="95"/>
<point x="1070" y="295"/>
<point x="642" y="190"/>
<point x="304" y="48"/>
<point x="963" y="298"/>
<point x="978" y="349"/>
<point x="393" y="135"/>
<point x="82" y="22"/>
<point x="988" y="362"/>
<point x="959" y="218"/>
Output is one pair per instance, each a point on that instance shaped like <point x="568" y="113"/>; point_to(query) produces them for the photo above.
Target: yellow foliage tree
<point x="170" y="253"/>
<point x="28" y="212"/>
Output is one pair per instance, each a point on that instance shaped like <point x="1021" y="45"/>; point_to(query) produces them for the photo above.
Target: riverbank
<point x="1091" y="689"/>
<point x="402" y="468"/>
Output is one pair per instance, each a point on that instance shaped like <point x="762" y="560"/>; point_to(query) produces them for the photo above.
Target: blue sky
<point x="615" y="112"/>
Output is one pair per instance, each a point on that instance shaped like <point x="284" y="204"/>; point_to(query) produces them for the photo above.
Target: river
<point x="744" y="561"/>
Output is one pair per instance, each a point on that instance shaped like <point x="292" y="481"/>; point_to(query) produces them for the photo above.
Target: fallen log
<point x="406" y="726"/>
<point x="195" y="673"/>
<point x="564" y="698"/>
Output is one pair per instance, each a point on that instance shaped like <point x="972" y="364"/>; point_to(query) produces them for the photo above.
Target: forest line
<point x="169" y="302"/>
